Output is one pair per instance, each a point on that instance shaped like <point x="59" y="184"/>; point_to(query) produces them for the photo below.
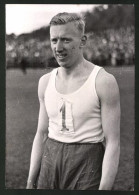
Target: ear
<point x="83" y="41"/>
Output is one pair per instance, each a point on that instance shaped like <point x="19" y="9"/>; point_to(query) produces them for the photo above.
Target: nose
<point x="59" y="46"/>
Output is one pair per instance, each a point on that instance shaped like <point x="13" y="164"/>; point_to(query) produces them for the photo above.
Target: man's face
<point x="65" y="44"/>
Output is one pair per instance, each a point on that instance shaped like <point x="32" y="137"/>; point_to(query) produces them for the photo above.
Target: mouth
<point x="61" y="56"/>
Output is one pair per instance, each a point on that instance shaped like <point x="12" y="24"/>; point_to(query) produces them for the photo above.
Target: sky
<point x="24" y="18"/>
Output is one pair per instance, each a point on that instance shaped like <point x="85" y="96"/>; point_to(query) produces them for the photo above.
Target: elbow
<point x="113" y="146"/>
<point x="41" y="136"/>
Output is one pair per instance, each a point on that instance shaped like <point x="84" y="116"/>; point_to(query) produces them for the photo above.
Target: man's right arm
<point x="40" y="137"/>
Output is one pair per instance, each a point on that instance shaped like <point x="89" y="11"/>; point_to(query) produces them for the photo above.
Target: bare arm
<point x="40" y="137"/>
<point x="108" y="92"/>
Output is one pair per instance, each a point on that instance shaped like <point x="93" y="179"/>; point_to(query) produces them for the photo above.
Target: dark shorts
<point x="71" y="166"/>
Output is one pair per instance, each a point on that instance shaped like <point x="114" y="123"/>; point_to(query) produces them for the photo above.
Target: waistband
<point x="74" y="143"/>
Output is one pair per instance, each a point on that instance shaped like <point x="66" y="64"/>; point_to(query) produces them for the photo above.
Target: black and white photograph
<point x="70" y="96"/>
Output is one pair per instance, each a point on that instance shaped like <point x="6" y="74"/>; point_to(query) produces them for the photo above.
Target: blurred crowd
<point x="111" y="47"/>
<point x="106" y="48"/>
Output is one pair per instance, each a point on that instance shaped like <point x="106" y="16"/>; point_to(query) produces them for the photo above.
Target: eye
<point x="54" y="41"/>
<point x="66" y="40"/>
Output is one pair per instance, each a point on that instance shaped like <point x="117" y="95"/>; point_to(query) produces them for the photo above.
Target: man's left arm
<point x="108" y="93"/>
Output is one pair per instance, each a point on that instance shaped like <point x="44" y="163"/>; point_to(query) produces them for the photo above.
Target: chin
<point x="62" y="64"/>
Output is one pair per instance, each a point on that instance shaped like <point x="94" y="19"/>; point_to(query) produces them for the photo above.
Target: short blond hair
<point x="64" y="18"/>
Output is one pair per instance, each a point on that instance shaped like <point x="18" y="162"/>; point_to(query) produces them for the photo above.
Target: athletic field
<point x="21" y="122"/>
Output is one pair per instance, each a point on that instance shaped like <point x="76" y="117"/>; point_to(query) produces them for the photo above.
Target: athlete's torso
<point x="74" y="117"/>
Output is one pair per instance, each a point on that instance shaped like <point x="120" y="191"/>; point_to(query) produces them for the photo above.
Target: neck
<point x="72" y="71"/>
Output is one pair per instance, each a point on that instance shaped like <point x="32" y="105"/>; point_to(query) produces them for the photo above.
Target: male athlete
<point x="79" y="111"/>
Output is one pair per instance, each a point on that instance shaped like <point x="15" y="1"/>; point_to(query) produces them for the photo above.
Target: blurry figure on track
<point x="23" y="65"/>
<point x="79" y="112"/>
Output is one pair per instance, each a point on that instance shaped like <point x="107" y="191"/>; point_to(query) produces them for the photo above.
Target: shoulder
<point x="106" y="86"/>
<point x="105" y="79"/>
<point x="44" y="79"/>
<point x="43" y="82"/>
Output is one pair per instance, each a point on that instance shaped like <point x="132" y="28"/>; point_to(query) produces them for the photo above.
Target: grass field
<point x="21" y="121"/>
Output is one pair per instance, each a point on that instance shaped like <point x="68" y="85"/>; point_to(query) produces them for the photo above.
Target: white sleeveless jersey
<point x="74" y="117"/>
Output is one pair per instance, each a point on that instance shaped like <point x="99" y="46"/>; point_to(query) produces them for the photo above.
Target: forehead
<point x="69" y="29"/>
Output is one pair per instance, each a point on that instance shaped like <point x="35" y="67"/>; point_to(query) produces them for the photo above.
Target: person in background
<point x="79" y="114"/>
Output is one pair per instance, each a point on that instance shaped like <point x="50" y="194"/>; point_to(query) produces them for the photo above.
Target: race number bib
<point x="65" y="118"/>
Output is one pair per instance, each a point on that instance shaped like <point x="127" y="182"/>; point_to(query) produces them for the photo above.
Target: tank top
<point x="74" y="117"/>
